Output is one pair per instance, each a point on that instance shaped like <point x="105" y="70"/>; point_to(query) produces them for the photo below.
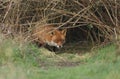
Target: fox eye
<point x="52" y="33"/>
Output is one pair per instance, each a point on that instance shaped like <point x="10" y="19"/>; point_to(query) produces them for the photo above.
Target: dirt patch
<point x="67" y="64"/>
<point x="50" y="59"/>
<point x="60" y="64"/>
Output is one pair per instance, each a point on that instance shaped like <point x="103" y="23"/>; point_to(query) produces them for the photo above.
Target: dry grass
<point x="99" y="19"/>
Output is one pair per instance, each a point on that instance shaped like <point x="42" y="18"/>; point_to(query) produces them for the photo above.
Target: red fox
<point x="49" y="35"/>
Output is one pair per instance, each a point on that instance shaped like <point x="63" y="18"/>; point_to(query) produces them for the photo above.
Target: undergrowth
<point x="30" y="62"/>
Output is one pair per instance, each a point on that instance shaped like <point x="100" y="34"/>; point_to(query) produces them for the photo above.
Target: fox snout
<point x="59" y="46"/>
<point x="56" y="44"/>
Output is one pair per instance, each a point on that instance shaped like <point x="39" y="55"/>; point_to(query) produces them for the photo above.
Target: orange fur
<point x="49" y="35"/>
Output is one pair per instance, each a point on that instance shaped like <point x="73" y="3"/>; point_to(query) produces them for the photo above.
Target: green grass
<point x="30" y="62"/>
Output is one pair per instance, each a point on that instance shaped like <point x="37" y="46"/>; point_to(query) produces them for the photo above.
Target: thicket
<point x="98" y="20"/>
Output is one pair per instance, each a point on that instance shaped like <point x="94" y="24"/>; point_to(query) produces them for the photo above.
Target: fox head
<point x="56" y="38"/>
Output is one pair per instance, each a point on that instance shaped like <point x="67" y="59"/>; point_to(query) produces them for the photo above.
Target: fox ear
<point x="64" y="31"/>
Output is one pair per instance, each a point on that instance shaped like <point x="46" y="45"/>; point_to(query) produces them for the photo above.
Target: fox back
<point x="49" y="35"/>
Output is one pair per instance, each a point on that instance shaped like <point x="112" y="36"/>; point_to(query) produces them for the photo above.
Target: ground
<point x="30" y="62"/>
